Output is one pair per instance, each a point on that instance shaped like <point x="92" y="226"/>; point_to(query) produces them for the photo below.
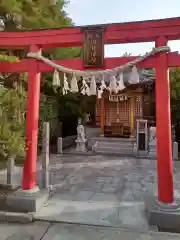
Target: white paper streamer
<point x="56" y="80"/>
<point x="134" y="76"/>
<point x="93" y="87"/>
<point x="74" y="85"/>
<point x="103" y="84"/>
<point x="120" y="83"/>
<point x="113" y="85"/>
<point x="66" y="85"/>
<point x="85" y="88"/>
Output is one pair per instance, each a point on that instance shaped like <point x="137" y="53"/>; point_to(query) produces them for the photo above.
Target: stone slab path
<point x="56" y="231"/>
<point x="100" y="190"/>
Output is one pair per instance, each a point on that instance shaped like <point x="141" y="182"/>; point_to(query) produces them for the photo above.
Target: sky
<point x="87" y="12"/>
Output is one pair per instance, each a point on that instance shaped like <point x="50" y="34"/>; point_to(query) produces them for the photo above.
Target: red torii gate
<point x="159" y="31"/>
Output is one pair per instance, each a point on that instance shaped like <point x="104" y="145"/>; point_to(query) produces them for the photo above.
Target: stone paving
<point x="57" y="231"/>
<point x="100" y="190"/>
<point x="75" y="232"/>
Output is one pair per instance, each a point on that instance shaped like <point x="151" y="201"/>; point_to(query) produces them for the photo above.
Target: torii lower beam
<point x="173" y="60"/>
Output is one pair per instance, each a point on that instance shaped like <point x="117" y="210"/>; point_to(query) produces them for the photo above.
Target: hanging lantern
<point x="134" y="76"/>
<point x="74" y="85"/>
<point x="56" y="79"/>
<point x="92" y="90"/>
<point x="120" y="83"/>
<point x="113" y="85"/>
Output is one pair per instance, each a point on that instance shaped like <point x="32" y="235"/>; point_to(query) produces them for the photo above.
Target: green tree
<point x="18" y="15"/>
<point x="175" y="94"/>
<point x="12" y="120"/>
<point x="33" y="14"/>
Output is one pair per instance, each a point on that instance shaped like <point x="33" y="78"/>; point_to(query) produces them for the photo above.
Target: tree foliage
<point x="175" y="94"/>
<point x="12" y="121"/>
<point x="33" y="14"/>
<point x="22" y="15"/>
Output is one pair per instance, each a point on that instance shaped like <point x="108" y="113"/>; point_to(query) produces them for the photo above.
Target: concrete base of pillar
<point x="165" y="216"/>
<point x="27" y="201"/>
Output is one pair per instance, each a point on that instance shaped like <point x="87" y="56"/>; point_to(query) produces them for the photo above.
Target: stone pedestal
<point x="27" y="201"/>
<point x="81" y="145"/>
<point x="165" y="216"/>
<point x="152" y="142"/>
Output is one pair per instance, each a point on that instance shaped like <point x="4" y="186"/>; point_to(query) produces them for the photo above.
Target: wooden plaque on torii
<point x="93" y="52"/>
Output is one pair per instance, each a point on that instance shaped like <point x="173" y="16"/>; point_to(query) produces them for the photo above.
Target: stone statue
<point x="81" y="139"/>
<point x="80" y="131"/>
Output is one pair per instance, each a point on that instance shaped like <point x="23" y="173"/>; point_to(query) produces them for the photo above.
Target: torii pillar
<point x="32" y="118"/>
<point x="163" y="211"/>
<point x="30" y="198"/>
<point x="163" y="128"/>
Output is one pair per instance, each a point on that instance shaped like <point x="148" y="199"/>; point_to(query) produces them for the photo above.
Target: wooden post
<point x="102" y="115"/>
<point x="132" y="116"/>
<point x="163" y="128"/>
<point x="45" y="155"/>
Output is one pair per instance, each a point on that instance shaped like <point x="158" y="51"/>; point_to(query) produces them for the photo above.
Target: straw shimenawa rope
<point x="113" y="71"/>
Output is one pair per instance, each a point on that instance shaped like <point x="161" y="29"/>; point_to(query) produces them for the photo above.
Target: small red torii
<point x="159" y="31"/>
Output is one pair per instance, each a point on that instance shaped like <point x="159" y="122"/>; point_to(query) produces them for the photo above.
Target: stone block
<point x="27" y="202"/>
<point x="24" y="218"/>
<point x="165" y="216"/>
<point x="16" y="217"/>
<point x="2" y="216"/>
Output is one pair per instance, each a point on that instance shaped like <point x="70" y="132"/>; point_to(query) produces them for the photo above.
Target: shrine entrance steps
<point x="112" y="146"/>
